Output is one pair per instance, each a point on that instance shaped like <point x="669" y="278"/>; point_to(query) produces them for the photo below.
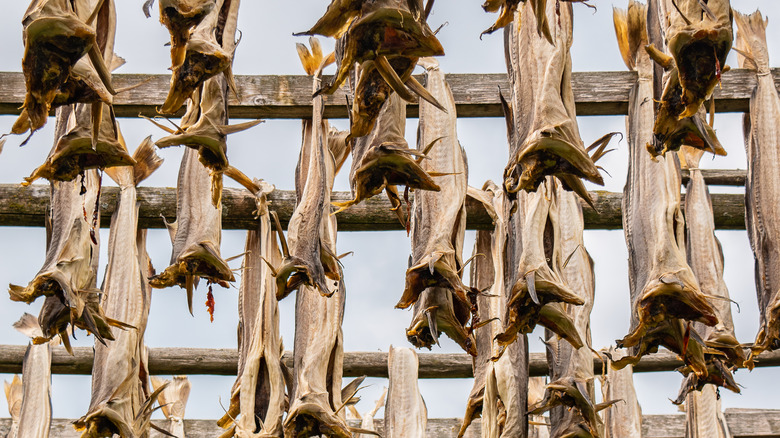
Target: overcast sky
<point x="375" y="274"/>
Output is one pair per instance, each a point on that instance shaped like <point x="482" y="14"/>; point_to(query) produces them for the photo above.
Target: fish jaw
<point x="337" y="17"/>
<point x="672" y="295"/>
<point x="437" y="306"/>
<point x="768" y="337"/>
<point x="45" y="70"/>
<point x="671" y="334"/>
<point x="201" y="260"/>
<point x="203" y="60"/>
<point x="421" y="277"/>
<point x="310" y="417"/>
<point x="553" y="317"/>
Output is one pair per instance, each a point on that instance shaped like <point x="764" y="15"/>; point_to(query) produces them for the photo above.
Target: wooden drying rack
<point x="289" y="97"/>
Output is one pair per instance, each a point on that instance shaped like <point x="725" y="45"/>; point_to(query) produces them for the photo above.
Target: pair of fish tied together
<point x="679" y="299"/>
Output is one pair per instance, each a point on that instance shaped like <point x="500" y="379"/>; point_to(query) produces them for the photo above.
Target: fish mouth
<point x="75" y="155"/>
<point x="768" y="337"/>
<point x="670" y="296"/>
<point x="573" y="394"/>
<point x="372" y="92"/>
<point x="294" y="273"/>
<point x="203" y="60"/>
<point x="200" y="261"/>
<point x="426" y="275"/>
<point x="699" y="55"/>
<point x="313" y="416"/>
<point x="42" y="285"/>
<point x="430" y="322"/>
<point x="717" y="374"/>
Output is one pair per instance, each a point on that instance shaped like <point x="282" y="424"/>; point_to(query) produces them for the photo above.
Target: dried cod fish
<point x="316" y="400"/>
<point x="438" y="224"/>
<point x="196" y="234"/>
<point x="67" y="278"/>
<point x="310" y="259"/>
<point x="93" y="139"/>
<point x="405" y="411"/>
<point x="623" y="419"/>
<point x="537" y="424"/>
<point x="665" y="296"/>
<point x="705" y="257"/>
<point x="57" y="34"/>
<point x="33" y="408"/>
<point x="385" y="38"/>
<point x="367" y="419"/>
<point x="257" y="403"/>
<point x="698" y="36"/>
<point x="208" y="47"/>
<point x="761" y="195"/>
<point x="208" y="135"/>
<point x="500" y="389"/>
<point x="173" y="401"/>
<point x="570" y="395"/>
<point x="508" y="8"/>
<point x="121" y="400"/>
<point x="538" y="291"/>
<point x="703" y="415"/>
<point x="541" y="118"/>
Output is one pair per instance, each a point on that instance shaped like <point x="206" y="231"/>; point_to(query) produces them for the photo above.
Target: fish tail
<point x="28" y="326"/>
<point x="630" y="28"/>
<point x="751" y="40"/>
<point x="311" y="60"/>
<point x="690" y="157"/>
<point x="146" y="160"/>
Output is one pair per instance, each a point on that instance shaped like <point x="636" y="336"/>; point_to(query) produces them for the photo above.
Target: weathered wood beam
<point x="476" y="95"/>
<point x="741" y="423"/>
<point x="720" y="177"/>
<point x="224" y="362"/>
<point x="26" y="206"/>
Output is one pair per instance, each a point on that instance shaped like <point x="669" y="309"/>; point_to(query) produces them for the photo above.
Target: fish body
<point x="762" y="190"/>
<point x="544" y="139"/>
<point x="622" y="420"/>
<point x="405" y="411"/>
<point x="259" y="389"/>
<point x="438" y="225"/>
<point x="120" y="388"/>
<point x="173" y="396"/>
<point x="665" y="294"/>
<point x="703" y="415"/>
<point x="202" y="52"/>
<point x="31" y="411"/>
<point x="499" y="393"/>
<point x="697" y="36"/>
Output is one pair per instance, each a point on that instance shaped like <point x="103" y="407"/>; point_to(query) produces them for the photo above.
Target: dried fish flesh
<point x="385" y="38"/>
<point x="257" y="404"/>
<point x="67" y="278"/>
<point x="437" y="228"/>
<point x="34" y="415"/>
<point x="57" y="34"/>
<point x="382" y="160"/>
<point x="624" y="419"/>
<point x="538" y="290"/>
<point x="762" y="134"/>
<point x="121" y="402"/>
<point x="316" y="395"/>
<point x="570" y="395"/>
<point x="537" y="426"/>
<point x="705" y="256"/>
<point x="14" y="394"/>
<point x="173" y="401"/>
<point x="208" y="48"/>
<point x="310" y="259"/>
<point x="698" y="36"/>
<point x="208" y="135"/>
<point x="499" y="393"/>
<point x="703" y="416"/>
<point x="665" y="295"/>
<point x="541" y="118"/>
<point x="367" y="419"/>
<point x="196" y="234"/>
<point x="405" y="411"/>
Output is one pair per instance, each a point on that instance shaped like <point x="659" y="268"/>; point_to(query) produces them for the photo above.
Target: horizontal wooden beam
<point x="476" y="95"/>
<point x="720" y="177"/>
<point x="741" y="423"/>
<point x="26" y="206"/>
<point x="374" y="364"/>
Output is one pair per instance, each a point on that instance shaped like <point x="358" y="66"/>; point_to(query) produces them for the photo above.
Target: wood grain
<point x="476" y="95"/>
<point x="742" y="424"/>
<point x="373" y="364"/>
<point x="26" y="206"/>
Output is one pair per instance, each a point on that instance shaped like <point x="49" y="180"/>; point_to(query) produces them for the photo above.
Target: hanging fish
<point x="173" y="396"/>
<point x="761" y="196"/>
<point x="623" y="419"/>
<point x="405" y="411"/>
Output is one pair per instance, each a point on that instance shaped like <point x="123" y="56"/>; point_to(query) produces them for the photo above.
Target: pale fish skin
<point x="762" y="190"/>
<point x="173" y="401"/>
<point x="405" y="413"/>
<point x="34" y="417"/>
<point x="623" y="419"/>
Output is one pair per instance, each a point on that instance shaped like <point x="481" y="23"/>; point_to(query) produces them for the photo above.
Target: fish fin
<point x="607" y="404"/>
<point x="189" y="286"/>
<point x="554" y="318"/>
<point x="146" y="160"/>
<point x="282" y="240"/>
<point x="364" y="431"/>
<point x="659" y="57"/>
<point x="530" y="279"/>
<point x="238" y="127"/>
<point x="390" y="76"/>
<point x="433" y="327"/>
<point x="172" y="227"/>
<point x="414" y="85"/>
<point x="28" y="325"/>
<point x="620" y="21"/>
<point x="101" y="68"/>
<point x="160" y="125"/>
<point x="241" y="178"/>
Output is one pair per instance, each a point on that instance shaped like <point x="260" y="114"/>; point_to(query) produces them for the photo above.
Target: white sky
<point x="375" y="274"/>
